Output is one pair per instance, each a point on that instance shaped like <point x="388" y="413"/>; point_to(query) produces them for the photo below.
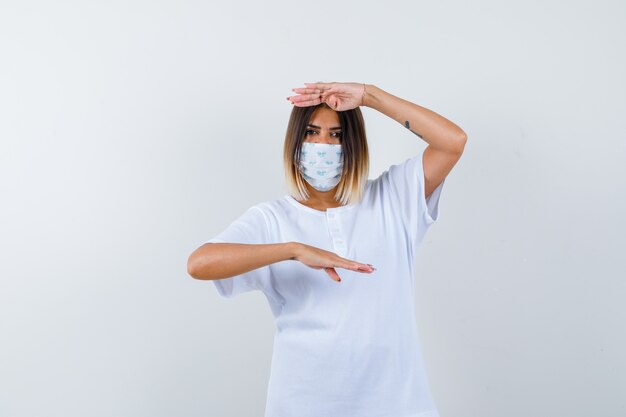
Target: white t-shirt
<point x="349" y="348"/>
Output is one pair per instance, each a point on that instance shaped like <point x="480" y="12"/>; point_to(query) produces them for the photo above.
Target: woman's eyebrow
<point x="317" y="127"/>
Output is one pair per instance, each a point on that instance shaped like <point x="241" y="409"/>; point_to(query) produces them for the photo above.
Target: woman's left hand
<point x="338" y="96"/>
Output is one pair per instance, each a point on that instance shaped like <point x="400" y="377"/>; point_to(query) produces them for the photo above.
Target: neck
<point x="324" y="199"/>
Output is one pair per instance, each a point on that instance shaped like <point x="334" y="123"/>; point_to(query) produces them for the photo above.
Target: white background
<point x="132" y="131"/>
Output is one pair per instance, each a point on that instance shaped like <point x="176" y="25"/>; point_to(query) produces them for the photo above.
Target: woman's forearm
<point x="435" y="129"/>
<point x="224" y="260"/>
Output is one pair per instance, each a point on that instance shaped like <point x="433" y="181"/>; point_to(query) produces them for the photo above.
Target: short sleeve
<point x="403" y="184"/>
<point x="250" y="228"/>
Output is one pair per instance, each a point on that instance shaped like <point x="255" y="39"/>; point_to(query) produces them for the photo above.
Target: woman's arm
<point x="445" y="139"/>
<point x="435" y="129"/>
<point x="225" y="260"/>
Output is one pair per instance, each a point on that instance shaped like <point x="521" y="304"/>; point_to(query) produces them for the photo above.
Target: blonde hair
<point x="351" y="186"/>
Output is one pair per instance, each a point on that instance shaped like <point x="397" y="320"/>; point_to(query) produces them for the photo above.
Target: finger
<point x="366" y="269"/>
<point x="305" y="97"/>
<point x="307" y="102"/>
<point x="325" y="96"/>
<point x="323" y="86"/>
<point x="359" y="267"/>
<point x="306" y="90"/>
<point x="333" y="274"/>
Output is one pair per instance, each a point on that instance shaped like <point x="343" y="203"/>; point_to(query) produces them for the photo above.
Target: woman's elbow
<point x="198" y="263"/>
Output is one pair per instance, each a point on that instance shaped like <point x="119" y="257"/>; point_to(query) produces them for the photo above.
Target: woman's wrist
<point x="292" y="249"/>
<point x="371" y="95"/>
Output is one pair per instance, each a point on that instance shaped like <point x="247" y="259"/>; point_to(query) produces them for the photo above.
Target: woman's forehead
<point x="324" y="118"/>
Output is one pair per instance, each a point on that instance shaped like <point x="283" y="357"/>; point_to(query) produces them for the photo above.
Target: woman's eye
<point x="313" y="131"/>
<point x="338" y="134"/>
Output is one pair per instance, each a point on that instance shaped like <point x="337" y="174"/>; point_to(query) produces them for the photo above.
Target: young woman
<point x="335" y="257"/>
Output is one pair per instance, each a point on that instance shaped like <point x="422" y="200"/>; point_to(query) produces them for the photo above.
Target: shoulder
<point x="273" y="210"/>
<point x="270" y="206"/>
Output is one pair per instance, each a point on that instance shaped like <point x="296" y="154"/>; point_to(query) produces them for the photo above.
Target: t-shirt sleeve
<point x="404" y="185"/>
<point x="250" y="228"/>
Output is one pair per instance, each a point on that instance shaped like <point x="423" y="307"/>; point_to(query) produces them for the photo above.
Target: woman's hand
<point x="317" y="258"/>
<point x="339" y="96"/>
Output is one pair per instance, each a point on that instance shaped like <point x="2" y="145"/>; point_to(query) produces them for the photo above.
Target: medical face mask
<point x="321" y="164"/>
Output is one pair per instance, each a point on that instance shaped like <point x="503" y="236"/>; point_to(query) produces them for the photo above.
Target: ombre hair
<point x="351" y="186"/>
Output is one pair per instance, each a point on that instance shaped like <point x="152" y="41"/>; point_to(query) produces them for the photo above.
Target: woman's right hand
<point x="317" y="258"/>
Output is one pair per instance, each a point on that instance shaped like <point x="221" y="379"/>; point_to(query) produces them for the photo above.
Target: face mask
<point x="321" y="165"/>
